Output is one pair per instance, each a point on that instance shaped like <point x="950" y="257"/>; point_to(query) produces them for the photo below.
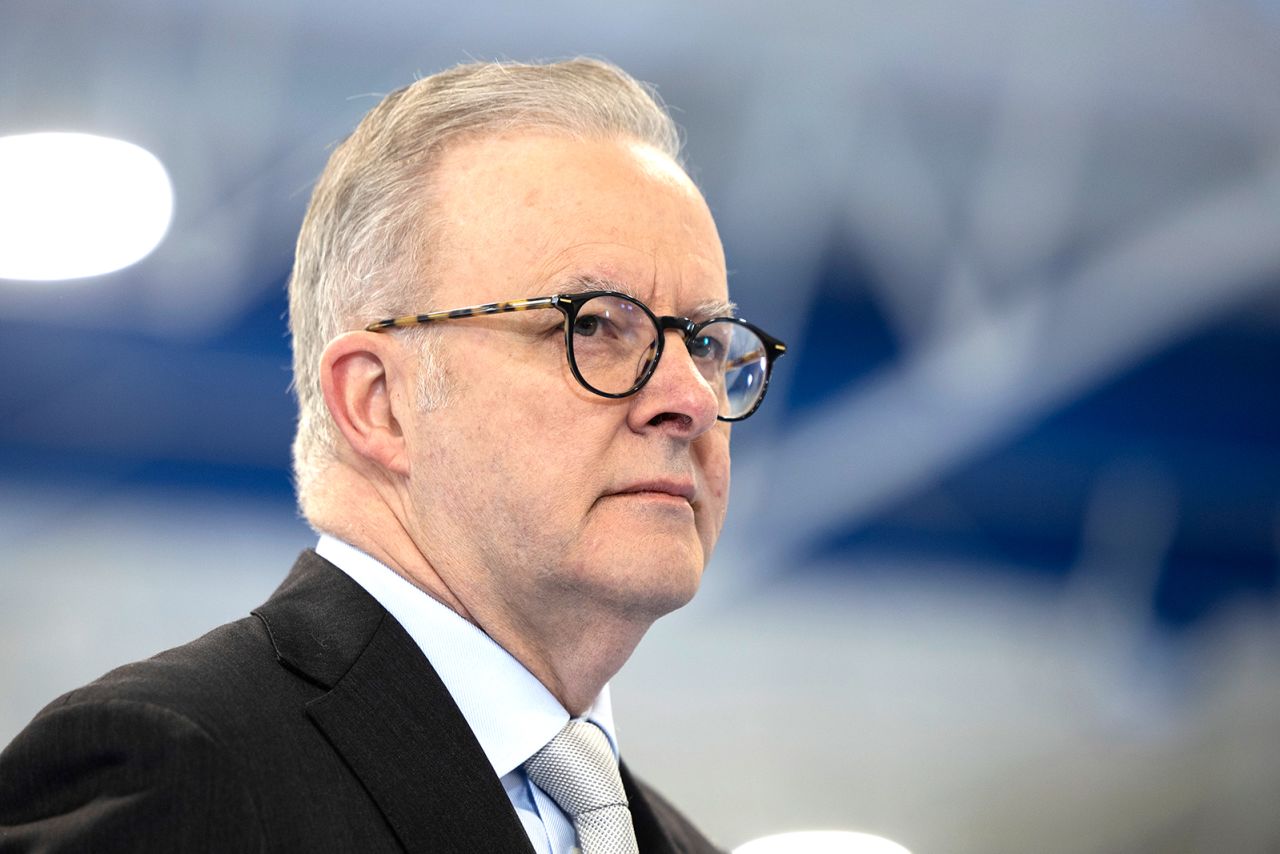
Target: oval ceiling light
<point x="821" y="842"/>
<point x="75" y="205"/>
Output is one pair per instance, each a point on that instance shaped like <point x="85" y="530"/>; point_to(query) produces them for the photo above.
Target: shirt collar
<point x="511" y="713"/>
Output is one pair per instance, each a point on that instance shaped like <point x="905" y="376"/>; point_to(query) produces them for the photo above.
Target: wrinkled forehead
<point x="533" y="215"/>
<point x="699" y="309"/>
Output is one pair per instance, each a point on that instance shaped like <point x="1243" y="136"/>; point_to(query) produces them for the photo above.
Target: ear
<point x="364" y="392"/>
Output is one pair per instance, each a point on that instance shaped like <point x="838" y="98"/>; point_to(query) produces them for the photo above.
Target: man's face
<point x="529" y="494"/>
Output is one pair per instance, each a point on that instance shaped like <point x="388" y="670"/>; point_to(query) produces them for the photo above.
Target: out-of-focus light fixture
<point x="821" y="842"/>
<point x="75" y="205"/>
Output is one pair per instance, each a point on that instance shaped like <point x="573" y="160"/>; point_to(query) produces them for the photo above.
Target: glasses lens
<point x="614" y="341"/>
<point x="733" y="360"/>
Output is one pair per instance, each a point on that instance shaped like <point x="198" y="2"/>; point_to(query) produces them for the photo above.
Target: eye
<point x="600" y="324"/>
<point x="707" y="348"/>
<point x="586" y="324"/>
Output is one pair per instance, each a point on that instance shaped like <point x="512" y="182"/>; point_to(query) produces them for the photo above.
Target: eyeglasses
<point x="614" y="342"/>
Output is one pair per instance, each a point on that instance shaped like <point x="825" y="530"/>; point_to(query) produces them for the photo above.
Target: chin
<point x="658" y="587"/>
<point x="643" y="585"/>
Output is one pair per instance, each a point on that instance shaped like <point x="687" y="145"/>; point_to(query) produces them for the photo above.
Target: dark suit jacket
<point x="316" y="724"/>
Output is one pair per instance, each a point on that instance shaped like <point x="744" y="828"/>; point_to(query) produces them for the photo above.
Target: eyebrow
<point x="714" y="308"/>
<point x="581" y="283"/>
<point x="702" y="311"/>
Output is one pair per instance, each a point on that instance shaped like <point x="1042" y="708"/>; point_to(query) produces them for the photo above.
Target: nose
<point x="677" y="399"/>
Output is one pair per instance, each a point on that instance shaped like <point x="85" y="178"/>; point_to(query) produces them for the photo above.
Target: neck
<point x="573" y="652"/>
<point x="574" y="661"/>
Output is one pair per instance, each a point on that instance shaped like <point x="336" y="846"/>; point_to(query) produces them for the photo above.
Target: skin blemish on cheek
<point x="532" y="197"/>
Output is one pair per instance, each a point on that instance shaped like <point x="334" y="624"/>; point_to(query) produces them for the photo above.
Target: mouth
<point x="670" y="490"/>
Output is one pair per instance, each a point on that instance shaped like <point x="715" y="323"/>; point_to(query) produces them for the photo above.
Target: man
<point x="509" y="489"/>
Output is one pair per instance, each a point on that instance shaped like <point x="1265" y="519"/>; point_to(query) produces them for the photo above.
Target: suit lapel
<point x="389" y="716"/>
<point x="651" y="836"/>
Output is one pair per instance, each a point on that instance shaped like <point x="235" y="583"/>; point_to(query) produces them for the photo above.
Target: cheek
<point x="549" y="450"/>
<point x="713" y="459"/>
<point x="506" y="445"/>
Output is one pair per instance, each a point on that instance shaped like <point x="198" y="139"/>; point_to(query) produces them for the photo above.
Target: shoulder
<point x="207" y="681"/>
<point x="256" y="669"/>
<point x="208" y="746"/>
<point x="138" y="759"/>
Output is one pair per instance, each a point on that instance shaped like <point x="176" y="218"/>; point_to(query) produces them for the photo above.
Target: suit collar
<point x="389" y="716"/>
<point x="510" y="711"/>
<point x="319" y="620"/>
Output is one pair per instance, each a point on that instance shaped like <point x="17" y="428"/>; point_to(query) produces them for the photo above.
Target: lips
<point x="677" y="488"/>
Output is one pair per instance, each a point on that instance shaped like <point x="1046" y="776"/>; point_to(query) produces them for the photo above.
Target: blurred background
<point x="1001" y="570"/>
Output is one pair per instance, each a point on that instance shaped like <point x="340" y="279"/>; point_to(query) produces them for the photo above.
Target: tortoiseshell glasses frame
<point x="734" y="353"/>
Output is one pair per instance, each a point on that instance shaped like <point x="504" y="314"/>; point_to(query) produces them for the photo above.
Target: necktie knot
<point x="578" y="771"/>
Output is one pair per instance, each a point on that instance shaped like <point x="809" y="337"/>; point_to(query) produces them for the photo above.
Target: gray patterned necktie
<point x="577" y="769"/>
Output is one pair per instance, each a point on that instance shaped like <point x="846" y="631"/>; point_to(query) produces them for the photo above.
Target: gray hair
<point x="364" y="249"/>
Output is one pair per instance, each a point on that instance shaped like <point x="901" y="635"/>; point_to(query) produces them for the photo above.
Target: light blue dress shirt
<point x="511" y="713"/>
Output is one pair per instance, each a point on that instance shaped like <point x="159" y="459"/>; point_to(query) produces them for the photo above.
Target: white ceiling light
<point x="821" y="842"/>
<point x="74" y="205"/>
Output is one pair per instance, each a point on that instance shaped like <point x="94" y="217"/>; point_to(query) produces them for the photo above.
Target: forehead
<point x="528" y="214"/>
